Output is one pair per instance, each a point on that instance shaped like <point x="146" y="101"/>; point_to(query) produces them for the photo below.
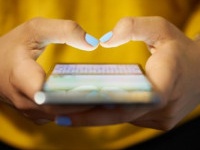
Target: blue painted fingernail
<point x="91" y="40"/>
<point x="63" y="121"/>
<point x="106" y="37"/>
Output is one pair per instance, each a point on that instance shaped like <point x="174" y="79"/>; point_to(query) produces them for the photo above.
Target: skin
<point x="172" y="68"/>
<point x="21" y="47"/>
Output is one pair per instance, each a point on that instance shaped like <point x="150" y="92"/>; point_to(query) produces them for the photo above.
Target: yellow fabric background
<point x="96" y="17"/>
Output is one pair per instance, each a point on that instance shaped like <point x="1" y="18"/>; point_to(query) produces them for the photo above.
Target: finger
<point x="59" y="110"/>
<point x="149" y="124"/>
<point x="163" y="72"/>
<point x="38" y="116"/>
<point x="46" y="31"/>
<point x="100" y="116"/>
<point x="151" y="30"/>
<point x="42" y="114"/>
<point x="27" y="77"/>
<point x="158" y="120"/>
<point x="29" y="109"/>
<point x="155" y="122"/>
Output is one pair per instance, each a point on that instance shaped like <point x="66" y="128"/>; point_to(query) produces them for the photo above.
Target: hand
<point x="173" y="68"/>
<point x="21" y="76"/>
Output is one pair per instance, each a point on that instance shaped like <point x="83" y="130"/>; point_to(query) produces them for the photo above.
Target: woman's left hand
<point x="173" y="68"/>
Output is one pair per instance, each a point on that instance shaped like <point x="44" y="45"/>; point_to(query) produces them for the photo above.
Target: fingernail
<point x="106" y="37"/>
<point x="91" y="40"/>
<point x="63" y="121"/>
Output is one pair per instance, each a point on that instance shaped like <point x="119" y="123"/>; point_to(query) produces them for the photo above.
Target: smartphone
<point x="97" y="84"/>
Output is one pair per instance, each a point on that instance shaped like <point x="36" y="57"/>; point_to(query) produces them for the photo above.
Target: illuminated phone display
<point x="96" y="84"/>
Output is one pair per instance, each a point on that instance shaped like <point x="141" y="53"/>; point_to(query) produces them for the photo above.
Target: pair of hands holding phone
<point x="173" y="68"/>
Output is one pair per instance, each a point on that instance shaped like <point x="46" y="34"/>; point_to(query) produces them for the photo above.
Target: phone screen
<point x="96" y="84"/>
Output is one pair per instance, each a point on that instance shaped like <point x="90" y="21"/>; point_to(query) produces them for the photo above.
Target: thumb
<point x="151" y="30"/>
<point x="43" y="31"/>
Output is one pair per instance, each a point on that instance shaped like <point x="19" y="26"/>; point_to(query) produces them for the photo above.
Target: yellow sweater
<point x="96" y="17"/>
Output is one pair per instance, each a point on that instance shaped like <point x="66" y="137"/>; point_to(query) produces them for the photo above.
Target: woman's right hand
<point x="21" y="76"/>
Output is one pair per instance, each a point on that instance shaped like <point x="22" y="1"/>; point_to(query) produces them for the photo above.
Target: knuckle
<point x="129" y="21"/>
<point x="71" y="26"/>
<point x="31" y="24"/>
<point x="160" y="20"/>
<point x="163" y="24"/>
<point x="126" y="26"/>
<point x="31" y="30"/>
<point x="71" y="23"/>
